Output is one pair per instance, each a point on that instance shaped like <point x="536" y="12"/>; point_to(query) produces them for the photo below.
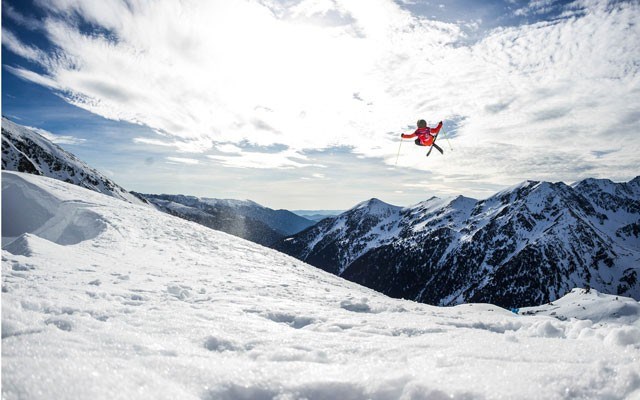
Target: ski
<point x="433" y="144"/>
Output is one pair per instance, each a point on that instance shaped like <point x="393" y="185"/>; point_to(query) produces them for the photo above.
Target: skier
<point x="425" y="135"/>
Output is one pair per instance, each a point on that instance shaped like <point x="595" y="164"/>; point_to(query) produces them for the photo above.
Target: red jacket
<point x="425" y="135"/>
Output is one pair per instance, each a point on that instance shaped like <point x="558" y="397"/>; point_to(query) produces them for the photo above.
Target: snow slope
<point x="103" y="299"/>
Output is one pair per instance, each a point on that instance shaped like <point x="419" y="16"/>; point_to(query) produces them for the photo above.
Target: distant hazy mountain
<point x="25" y="150"/>
<point x="317" y="215"/>
<point x="245" y="219"/>
<point x="526" y="245"/>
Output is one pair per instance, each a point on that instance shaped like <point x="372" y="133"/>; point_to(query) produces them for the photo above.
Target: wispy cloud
<point x="58" y="139"/>
<point x="182" y="160"/>
<point x="538" y="7"/>
<point x="186" y="145"/>
<point x="10" y="12"/>
<point x="11" y="42"/>
<point x="153" y="142"/>
<point x="228" y="148"/>
<point x="210" y="76"/>
<point x="286" y="159"/>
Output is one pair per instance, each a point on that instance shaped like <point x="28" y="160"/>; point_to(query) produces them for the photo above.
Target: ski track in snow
<point x="103" y="299"/>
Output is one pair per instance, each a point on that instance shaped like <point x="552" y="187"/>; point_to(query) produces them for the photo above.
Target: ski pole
<point x="398" y="155"/>
<point x="445" y="136"/>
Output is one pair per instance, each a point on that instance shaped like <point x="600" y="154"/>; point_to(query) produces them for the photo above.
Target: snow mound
<point x="28" y="209"/>
<point x="590" y="305"/>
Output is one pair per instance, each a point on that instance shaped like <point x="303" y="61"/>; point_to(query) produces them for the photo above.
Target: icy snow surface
<point x="102" y="299"/>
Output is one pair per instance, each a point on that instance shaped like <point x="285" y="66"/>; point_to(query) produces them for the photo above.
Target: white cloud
<point x="153" y="142"/>
<point x="15" y="45"/>
<point x="181" y="145"/>
<point x="58" y="139"/>
<point x="228" y="148"/>
<point x="34" y="77"/>
<point x="181" y="160"/>
<point x="16" y="16"/>
<point x="281" y="160"/>
<point x="319" y="74"/>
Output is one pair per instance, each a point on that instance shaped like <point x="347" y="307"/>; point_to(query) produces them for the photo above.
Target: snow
<point x="104" y="299"/>
<point x="61" y="222"/>
<point x="590" y="305"/>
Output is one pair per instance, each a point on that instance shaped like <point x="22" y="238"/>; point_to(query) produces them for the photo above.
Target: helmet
<point x="422" y="123"/>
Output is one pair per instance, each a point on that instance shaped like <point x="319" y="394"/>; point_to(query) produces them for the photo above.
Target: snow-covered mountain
<point x="25" y="150"/>
<point x="103" y="299"/>
<point x="242" y="218"/>
<point x="526" y="245"/>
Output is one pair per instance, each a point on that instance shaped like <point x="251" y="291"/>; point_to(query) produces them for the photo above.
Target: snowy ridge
<point x="229" y="202"/>
<point x="146" y="305"/>
<point x="528" y="244"/>
<point x="25" y="150"/>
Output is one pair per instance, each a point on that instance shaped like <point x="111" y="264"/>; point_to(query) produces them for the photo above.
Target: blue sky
<point x="299" y="104"/>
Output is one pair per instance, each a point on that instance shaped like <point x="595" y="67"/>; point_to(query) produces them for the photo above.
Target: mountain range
<point x="317" y="215"/>
<point x="242" y="218"/>
<point x="529" y="244"/>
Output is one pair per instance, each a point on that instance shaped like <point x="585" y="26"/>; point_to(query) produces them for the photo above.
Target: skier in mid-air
<point x="425" y="135"/>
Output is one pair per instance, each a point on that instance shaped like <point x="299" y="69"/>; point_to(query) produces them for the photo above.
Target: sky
<point x="300" y="104"/>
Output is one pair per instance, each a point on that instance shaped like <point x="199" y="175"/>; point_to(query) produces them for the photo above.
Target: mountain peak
<point x="531" y="189"/>
<point x="595" y="184"/>
<point x="463" y="199"/>
<point x="528" y="184"/>
<point x="372" y="203"/>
